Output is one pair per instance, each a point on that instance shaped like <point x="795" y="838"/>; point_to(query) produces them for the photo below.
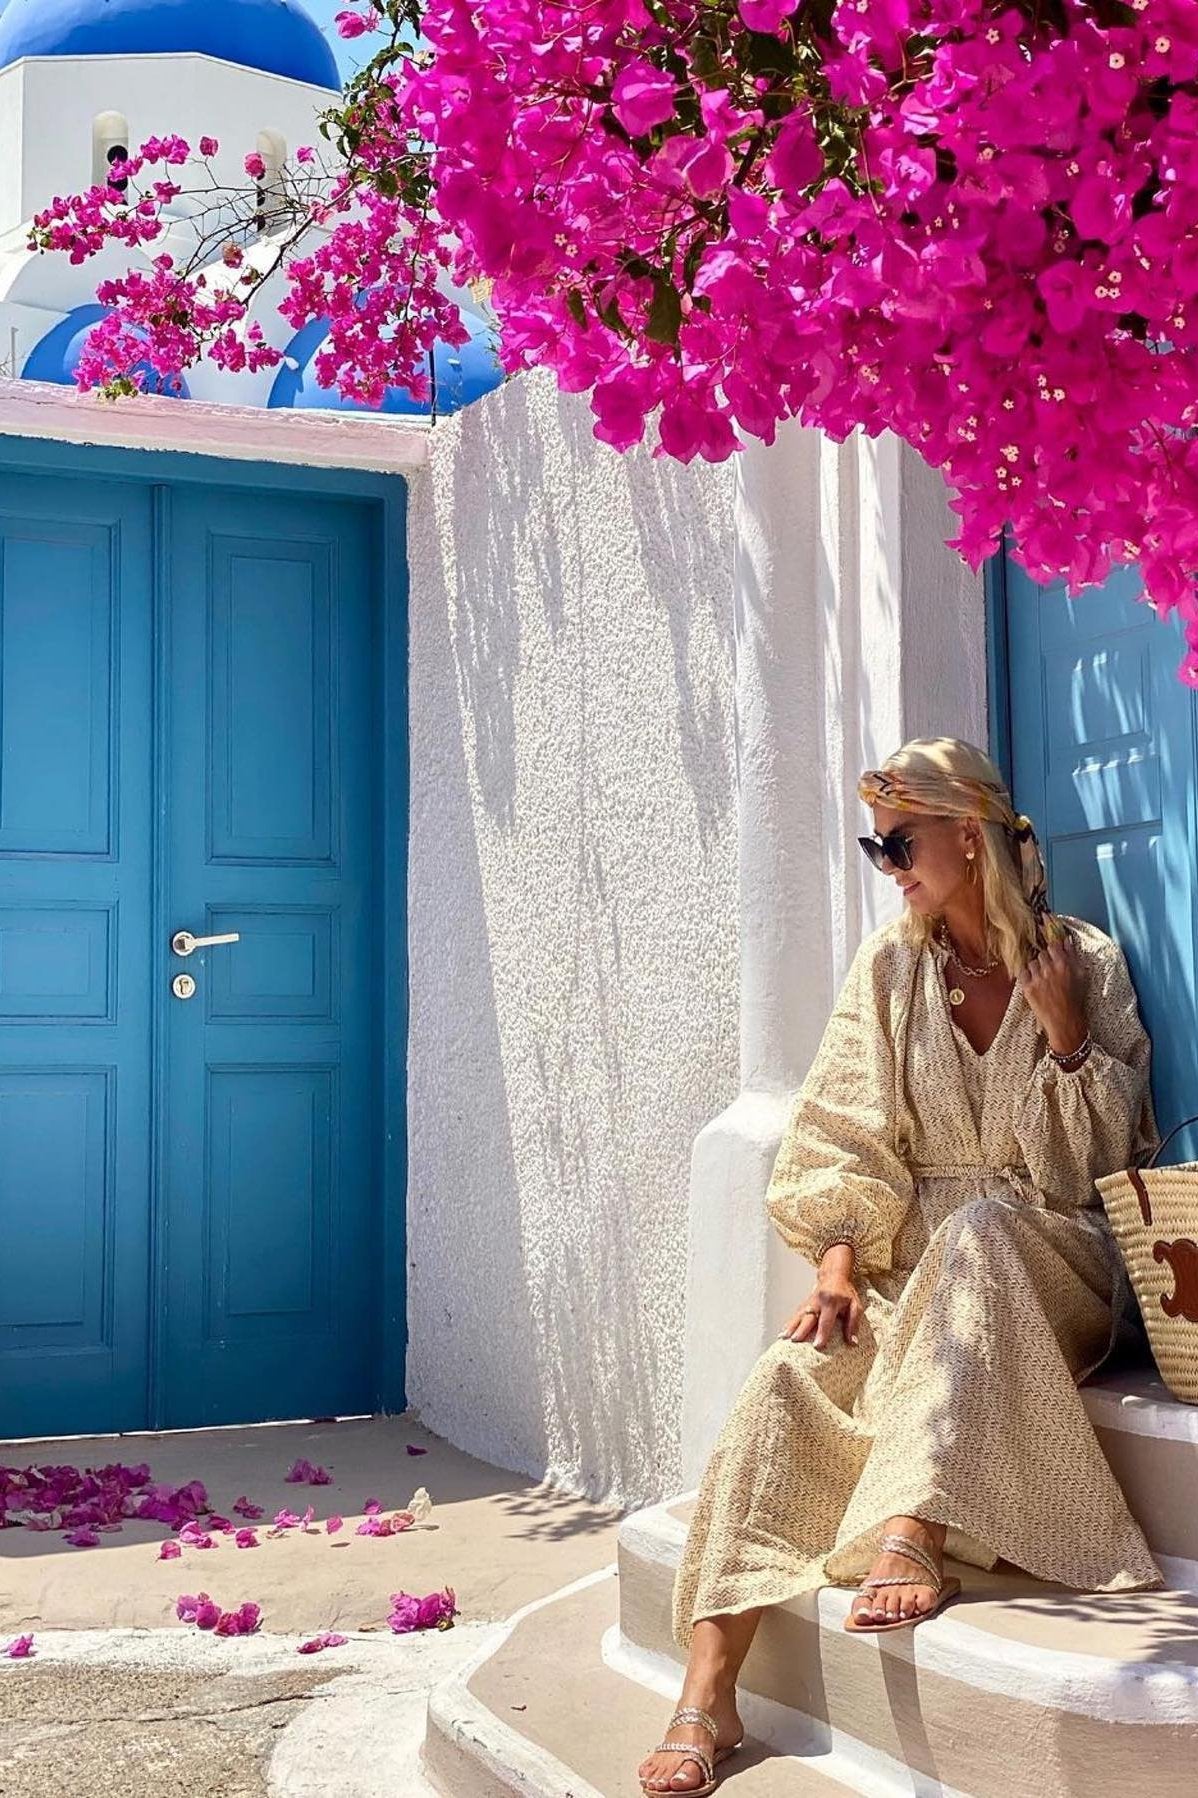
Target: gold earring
<point x="971" y="873"/>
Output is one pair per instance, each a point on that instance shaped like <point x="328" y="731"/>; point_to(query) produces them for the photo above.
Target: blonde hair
<point x="1009" y="917"/>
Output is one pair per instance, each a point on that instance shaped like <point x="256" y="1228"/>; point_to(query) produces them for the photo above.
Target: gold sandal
<point x="707" y="1763"/>
<point x="945" y="1589"/>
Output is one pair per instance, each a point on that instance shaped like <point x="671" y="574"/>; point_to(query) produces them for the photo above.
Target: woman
<point x="984" y="1063"/>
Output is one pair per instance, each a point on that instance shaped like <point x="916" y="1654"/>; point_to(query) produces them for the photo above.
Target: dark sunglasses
<point x="894" y="846"/>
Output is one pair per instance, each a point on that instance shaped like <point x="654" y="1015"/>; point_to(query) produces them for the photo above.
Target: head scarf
<point x="963" y="796"/>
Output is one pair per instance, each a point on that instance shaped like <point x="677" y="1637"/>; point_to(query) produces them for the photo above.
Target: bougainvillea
<point x="968" y="222"/>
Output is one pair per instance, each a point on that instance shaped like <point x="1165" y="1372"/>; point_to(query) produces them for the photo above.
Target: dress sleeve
<point x="837" y="1176"/>
<point x="1075" y="1127"/>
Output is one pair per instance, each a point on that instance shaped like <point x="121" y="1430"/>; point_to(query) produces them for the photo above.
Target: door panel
<point x="1105" y="760"/>
<point x="270" y="1195"/>
<point x="75" y="599"/>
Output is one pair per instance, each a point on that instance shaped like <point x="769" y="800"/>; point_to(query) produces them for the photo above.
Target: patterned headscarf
<point x="963" y="796"/>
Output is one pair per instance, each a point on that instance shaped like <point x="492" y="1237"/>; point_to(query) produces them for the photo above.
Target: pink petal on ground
<point x="208" y="1615"/>
<point x="372" y="1507"/>
<point x="186" y="1606"/>
<point x="249" y="1615"/>
<point x="286" y="1520"/>
<point x="307" y="1517"/>
<point x="402" y="1520"/>
<point x="413" y="1450"/>
<point x="21" y="1647"/>
<point x="298" y="1471"/>
<point x="245" y="1508"/>
<point x="169" y="1551"/>
<point x="246" y="1539"/>
<point x="326" y="1639"/>
<point x="321" y="1477"/>
<point x="219" y="1523"/>
<point x="83" y="1539"/>
<point x="333" y="1524"/>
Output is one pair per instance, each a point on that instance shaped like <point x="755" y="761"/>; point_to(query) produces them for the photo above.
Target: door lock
<point x="183" y="986"/>
<point x="183" y="942"/>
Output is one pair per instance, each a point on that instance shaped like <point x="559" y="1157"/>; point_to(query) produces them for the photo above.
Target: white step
<point x="1020" y="1689"/>
<point x="538" y="1712"/>
<point x="1151" y="1442"/>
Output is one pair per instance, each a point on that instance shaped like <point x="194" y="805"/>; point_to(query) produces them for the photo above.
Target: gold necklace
<point x="956" y="994"/>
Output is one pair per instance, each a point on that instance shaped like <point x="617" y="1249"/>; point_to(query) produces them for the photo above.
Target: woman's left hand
<point x="1052" y="985"/>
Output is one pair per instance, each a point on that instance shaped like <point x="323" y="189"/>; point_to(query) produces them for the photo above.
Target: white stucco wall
<point x="573" y="932"/>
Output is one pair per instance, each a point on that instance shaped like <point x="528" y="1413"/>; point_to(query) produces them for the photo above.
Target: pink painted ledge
<point x="386" y="444"/>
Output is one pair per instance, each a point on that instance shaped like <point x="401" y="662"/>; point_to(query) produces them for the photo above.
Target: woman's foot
<point x="911" y="1600"/>
<point x="668" y="1770"/>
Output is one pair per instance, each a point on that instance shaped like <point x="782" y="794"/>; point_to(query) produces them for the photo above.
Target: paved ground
<point x="124" y="1699"/>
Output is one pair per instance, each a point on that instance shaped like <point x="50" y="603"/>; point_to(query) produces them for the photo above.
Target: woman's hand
<point x="1052" y="985"/>
<point x="832" y="1297"/>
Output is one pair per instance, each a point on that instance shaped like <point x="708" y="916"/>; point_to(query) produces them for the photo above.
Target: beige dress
<point x="991" y="1285"/>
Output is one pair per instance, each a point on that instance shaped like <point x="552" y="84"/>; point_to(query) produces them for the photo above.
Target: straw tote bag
<point x="1154" y="1217"/>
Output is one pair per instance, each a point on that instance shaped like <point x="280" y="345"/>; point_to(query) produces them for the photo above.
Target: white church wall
<point x="856" y="630"/>
<point x="159" y="94"/>
<point x="573" y="931"/>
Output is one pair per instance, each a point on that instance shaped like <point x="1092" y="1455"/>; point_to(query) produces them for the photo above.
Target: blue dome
<point x="56" y="356"/>
<point x="278" y="36"/>
<point x="462" y="374"/>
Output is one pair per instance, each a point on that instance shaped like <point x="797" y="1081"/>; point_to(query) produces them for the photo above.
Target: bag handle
<point x="1133" y="1174"/>
<point x="1152" y="1158"/>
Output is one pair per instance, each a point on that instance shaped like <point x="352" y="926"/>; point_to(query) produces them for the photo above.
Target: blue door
<point x="188" y="1140"/>
<point x="75" y="974"/>
<point x="1103" y="751"/>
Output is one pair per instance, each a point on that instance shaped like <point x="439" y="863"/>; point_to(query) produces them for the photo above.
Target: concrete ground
<point x="123" y="1698"/>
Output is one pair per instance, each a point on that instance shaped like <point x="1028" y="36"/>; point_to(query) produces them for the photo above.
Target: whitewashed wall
<point x="573" y="932"/>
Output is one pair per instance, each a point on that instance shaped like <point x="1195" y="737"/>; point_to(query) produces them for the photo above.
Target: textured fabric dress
<point x="991" y="1284"/>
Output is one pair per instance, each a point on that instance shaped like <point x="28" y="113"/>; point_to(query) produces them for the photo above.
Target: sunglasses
<point x="894" y="846"/>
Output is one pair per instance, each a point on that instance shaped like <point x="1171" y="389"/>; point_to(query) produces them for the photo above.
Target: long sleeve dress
<point x="991" y="1285"/>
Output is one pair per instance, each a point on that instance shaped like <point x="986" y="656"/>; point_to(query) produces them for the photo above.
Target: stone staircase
<point x="1019" y="1690"/>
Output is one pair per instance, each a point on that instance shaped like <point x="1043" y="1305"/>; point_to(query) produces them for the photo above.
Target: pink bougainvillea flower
<point x="355" y="23"/>
<point x="414" y="1450"/>
<point x="20" y="1648"/>
<point x="435" y="1611"/>
<point x="169" y="1551"/>
<point x="83" y="1539"/>
<point x="208" y="146"/>
<point x="286" y="1520"/>
<point x="246" y="1538"/>
<point x="303" y="1471"/>
<point x="255" y="166"/>
<point x="309" y="1514"/>
<point x="642" y="96"/>
<point x="372" y="1507"/>
<point x="244" y="1508"/>
<point x="192" y="1536"/>
<point x="216" y="1522"/>
<point x="326" y="1639"/>
<point x="333" y="1524"/>
<point x="186" y="1605"/>
<point x="373" y="1526"/>
<point x="242" y="1622"/>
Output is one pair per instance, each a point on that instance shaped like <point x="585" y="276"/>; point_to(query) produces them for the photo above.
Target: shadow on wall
<point x="579" y="955"/>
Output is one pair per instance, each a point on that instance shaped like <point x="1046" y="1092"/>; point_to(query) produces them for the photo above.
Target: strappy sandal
<point x="707" y="1763"/>
<point x="945" y="1589"/>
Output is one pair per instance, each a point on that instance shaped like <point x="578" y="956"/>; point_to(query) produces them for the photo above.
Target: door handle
<point x="183" y="942"/>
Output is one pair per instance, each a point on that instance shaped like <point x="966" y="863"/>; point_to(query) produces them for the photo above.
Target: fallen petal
<point x="21" y="1647"/>
<point x="169" y="1551"/>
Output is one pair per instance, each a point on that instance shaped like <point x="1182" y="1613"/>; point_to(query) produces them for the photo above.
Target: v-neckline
<point x="981" y="1054"/>
<point x="938" y="960"/>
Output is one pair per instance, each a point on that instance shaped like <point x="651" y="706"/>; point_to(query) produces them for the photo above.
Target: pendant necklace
<point x="956" y="994"/>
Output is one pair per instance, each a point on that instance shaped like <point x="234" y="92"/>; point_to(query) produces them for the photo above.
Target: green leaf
<point x="665" y="314"/>
<point x="576" y="308"/>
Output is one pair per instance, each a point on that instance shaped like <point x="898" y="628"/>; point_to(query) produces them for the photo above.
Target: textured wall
<point x="572" y="929"/>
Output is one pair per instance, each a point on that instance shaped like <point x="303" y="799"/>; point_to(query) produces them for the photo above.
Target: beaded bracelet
<point x="1077" y="1055"/>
